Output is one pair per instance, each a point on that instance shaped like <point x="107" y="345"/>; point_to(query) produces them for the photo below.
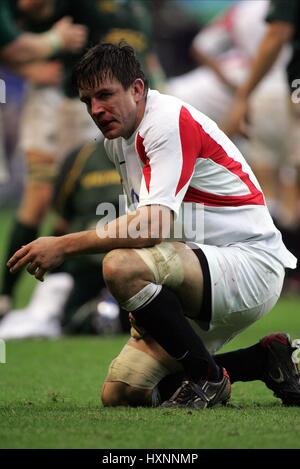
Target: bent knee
<point x="116" y="393"/>
<point x="124" y="271"/>
<point x="113" y="265"/>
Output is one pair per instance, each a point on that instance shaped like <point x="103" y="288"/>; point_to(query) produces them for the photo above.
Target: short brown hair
<point x="107" y="60"/>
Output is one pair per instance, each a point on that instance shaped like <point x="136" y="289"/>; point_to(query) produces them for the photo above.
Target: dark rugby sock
<point x="164" y="320"/>
<point x="246" y="364"/>
<point x="20" y="234"/>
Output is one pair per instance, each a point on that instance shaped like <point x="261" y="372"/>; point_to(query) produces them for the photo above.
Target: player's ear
<point x="138" y="89"/>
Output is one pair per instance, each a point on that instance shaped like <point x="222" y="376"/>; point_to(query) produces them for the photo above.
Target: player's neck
<point x="141" y="106"/>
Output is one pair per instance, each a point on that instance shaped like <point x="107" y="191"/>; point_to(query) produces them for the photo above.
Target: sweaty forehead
<point x="98" y="84"/>
<point x="93" y="79"/>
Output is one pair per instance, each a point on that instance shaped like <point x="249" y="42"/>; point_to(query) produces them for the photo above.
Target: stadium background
<point x="49" y="389"/>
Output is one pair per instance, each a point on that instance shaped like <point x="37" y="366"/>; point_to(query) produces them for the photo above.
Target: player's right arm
<point x="213" y="41"/>
<point x="46" y="253"/>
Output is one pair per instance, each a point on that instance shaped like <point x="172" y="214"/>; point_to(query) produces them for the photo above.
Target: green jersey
<point x="14" y="22"/>
<point x="113" y="21"/>
<point x="9" y="30"/>
<point x="87" y="178"/>
<point x="106" y="20"/>
<point x="289" y="12"/>
<point x="131" y="22"/>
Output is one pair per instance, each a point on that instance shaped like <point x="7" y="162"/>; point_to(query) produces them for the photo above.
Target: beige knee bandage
<point x="165" y="263"/>
<point x="136" y="368"/>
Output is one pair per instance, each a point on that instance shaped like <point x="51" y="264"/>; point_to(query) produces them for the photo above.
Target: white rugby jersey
<point x="178" y="155"/>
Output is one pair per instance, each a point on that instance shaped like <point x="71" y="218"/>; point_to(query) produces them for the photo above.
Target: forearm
<point x="28" y="47"/>
<point x="144" y="228"/>
<point x="129" y="231"/>
<point x="266" y="56"/>
<point x="203" y="59"/>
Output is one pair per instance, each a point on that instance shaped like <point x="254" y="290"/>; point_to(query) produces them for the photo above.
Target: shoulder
<point x="167" y="117"/>
<point x="161" y="119"/>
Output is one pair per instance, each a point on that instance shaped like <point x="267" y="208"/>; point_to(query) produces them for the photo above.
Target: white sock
<point x="49" y="297"/>
<point x="142" y="298"/>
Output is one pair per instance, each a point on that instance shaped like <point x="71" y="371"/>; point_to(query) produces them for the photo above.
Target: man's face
<point x="116" y="112"/>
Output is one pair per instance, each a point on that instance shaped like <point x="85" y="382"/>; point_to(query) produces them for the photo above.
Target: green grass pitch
<point x="49" y="398"/>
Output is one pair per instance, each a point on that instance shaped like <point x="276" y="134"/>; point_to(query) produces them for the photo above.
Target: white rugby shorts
<point x="246" y="283"/>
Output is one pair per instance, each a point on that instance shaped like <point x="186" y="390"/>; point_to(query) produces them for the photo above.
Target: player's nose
<point x="96" y="107"/>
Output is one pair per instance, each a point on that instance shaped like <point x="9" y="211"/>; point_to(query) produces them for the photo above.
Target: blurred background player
<point x="21" y="50"/>
<point x="224" y="53"/>
<point x="283" y="27"/>
<point x="53" y="119"/>
<point x="18" y="48"/>
<point x="68" y="299"/>
<point x="132" y="21"/>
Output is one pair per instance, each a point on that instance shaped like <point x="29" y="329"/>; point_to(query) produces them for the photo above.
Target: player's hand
<point x="41" y="255"/>
<point x="73" y="36"/>
<point x="237" y="121"/>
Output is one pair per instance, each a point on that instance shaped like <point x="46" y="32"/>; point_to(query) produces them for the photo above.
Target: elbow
<point x="154" y="241"/>
<point x="148" y="241"/>
<point x="156" y="225"/>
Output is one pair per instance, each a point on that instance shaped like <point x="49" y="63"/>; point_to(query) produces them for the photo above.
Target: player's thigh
<point x="246" y="282"/>
<point x="176" y="266"/>
<point x="268" y="143"/>
<point x="75" y="126"/>
<point x="39" y="127"/>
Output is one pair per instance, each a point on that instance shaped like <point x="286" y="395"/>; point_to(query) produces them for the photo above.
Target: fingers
<point x="39" y="274"/>
<point x="35" y="269"/>
<point x="19" y="259"/>
<point x="32" y="267"/>
<point x="21" y="263"/>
